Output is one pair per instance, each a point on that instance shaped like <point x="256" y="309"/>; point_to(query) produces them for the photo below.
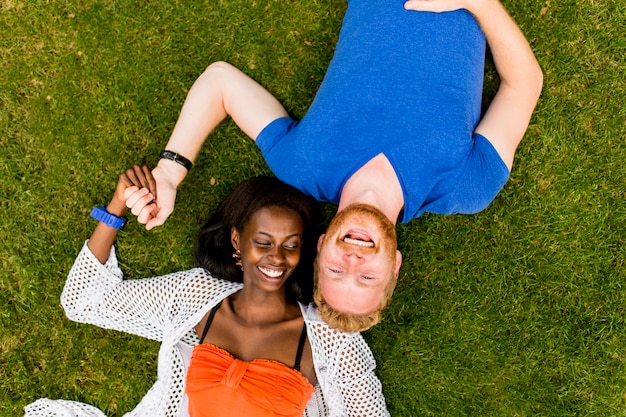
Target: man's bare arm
<point x="222" y="90"/>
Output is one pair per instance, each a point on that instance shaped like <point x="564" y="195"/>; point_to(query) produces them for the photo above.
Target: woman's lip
<point x="271" y="274"/>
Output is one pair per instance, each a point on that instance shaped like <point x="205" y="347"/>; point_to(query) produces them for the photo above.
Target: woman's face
<point x="270" y="247"/>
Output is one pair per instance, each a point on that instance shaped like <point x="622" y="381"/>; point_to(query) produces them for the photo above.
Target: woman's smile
<point x="270" y="246"/>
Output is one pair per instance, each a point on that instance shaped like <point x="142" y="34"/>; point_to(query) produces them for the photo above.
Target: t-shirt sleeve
<point x="482" y="178"/>
<point x="273" y="132"/>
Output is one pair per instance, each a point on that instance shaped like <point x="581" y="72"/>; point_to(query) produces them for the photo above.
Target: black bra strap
<point x="300" y="348"/>
<point x="209" y="320"/>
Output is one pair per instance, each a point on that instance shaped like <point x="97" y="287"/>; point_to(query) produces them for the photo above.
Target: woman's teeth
<point x="270" y="272"/>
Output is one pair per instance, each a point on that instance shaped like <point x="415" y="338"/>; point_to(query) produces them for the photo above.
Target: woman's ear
<point x="234" y="237"/>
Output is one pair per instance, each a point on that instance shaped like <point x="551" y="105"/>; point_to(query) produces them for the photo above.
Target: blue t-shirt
<point x="406" y="84"/>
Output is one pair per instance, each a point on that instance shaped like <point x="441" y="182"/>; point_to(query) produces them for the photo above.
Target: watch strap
<point x="178" y="158"/>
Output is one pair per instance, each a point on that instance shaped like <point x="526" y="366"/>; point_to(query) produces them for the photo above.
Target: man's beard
<point x="369" y="217"/>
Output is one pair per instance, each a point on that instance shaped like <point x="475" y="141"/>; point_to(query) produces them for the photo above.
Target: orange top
<point x="218" y="384"/>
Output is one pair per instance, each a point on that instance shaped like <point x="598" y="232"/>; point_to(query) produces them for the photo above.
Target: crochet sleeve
<point x="360" y="387"/>
<point x="60" y="408"/>
<point x="345" y="366"/>
<point x="97" y="294"/>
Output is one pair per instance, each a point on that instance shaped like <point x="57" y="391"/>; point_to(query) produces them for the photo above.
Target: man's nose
<point x="353" y="257"/>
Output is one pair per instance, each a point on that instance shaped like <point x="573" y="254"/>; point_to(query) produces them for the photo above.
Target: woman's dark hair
<point x="213" y="249"/>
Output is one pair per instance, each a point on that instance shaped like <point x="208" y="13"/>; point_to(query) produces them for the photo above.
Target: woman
<point x="243" y="345"/>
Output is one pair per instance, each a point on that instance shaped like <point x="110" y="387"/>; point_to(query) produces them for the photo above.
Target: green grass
<point x="517" y="311"/>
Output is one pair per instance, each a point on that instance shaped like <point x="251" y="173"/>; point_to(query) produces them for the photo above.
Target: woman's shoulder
<point x="315" y="323"/>
<point x="201" y="279"/>
<point x="309" y="313"/>
<point x="335" y="346"/>
<point x="197" y="287"/>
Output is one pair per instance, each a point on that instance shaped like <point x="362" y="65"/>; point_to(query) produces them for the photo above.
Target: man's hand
<point x="154" y="204"/>
<point x="436" y="6"/>
<point x="136" y="179"/>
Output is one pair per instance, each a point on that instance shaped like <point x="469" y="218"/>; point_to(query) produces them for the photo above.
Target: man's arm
<point x="222" y="90"/>
<point x="521" y="79"/>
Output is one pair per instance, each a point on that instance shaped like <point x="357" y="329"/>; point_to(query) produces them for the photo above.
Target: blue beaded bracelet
<point x="111" y="220"/>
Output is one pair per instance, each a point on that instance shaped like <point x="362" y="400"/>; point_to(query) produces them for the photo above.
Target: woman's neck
<point x="262" y="308"/>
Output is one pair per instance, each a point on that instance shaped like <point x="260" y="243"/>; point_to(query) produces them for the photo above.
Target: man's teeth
<point x="358" y="242"/>
<point x="270" y="272"/>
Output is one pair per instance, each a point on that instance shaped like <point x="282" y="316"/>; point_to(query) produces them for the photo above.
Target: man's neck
<point x="376" y="184"/>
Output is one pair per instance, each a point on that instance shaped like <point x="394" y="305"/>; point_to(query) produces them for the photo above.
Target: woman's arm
<point x="97" y="294"/>
<point x="360" y="387"/>
<point x="345" y="366"/>
<point x="134" y="185"/>
<point x="95" y="291"/>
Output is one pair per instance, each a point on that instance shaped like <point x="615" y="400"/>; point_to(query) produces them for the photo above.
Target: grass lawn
<point x="517" y="311"/>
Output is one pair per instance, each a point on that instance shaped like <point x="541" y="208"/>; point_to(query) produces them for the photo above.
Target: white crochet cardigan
<point x="167" y="308"/>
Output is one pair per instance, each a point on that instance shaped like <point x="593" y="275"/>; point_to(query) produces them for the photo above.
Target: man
<point x="394" y="131"/>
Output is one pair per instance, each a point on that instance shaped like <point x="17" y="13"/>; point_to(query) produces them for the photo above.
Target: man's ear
<point x="234" y="237"/>
<point x="319" y="242"/>
<point x="396" y="271"/>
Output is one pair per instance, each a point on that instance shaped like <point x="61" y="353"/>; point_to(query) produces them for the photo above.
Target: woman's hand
<point x="135" y="185"/>
<point x="136" y="189"/>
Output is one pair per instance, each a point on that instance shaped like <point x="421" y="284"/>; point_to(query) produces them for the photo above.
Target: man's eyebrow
<point x="360" y="282"/>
